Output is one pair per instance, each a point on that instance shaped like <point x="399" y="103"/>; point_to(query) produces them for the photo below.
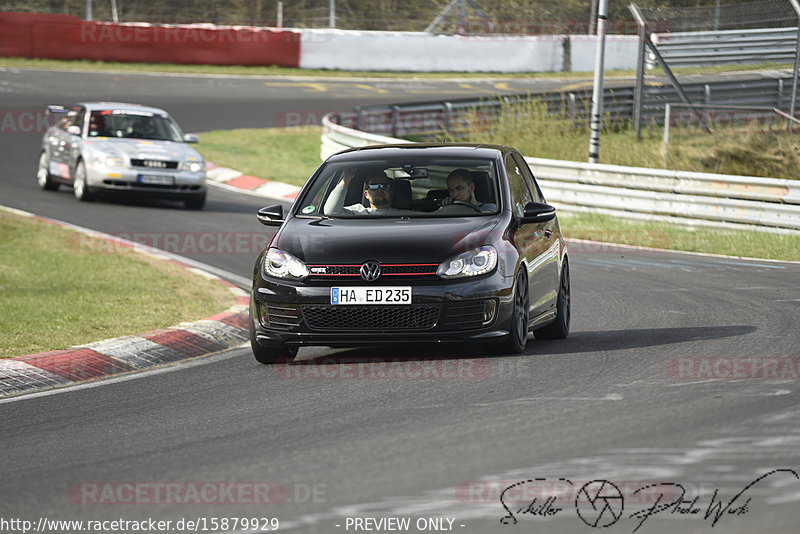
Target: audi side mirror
<point x="74" y="130"/>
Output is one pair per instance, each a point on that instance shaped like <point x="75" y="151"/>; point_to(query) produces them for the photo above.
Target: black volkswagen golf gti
<point x="412" y="243"/>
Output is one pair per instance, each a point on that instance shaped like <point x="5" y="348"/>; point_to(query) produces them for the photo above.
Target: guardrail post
<point x="638" y="91"/>
<point x="796" y="7"/>
<point x="706" y="94"/>
<point x="572" y="110"/>
<point x="395" y="120"/>
<point x="447" y="110"/>
<point x="779" y="104"/>
<point x="359" y="118"/>
<point x="667" y="113"/>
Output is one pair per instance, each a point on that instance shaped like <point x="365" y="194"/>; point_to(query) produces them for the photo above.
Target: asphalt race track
<point x="681" y="373"/>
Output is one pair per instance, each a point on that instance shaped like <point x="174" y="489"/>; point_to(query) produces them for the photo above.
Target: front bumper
<point x="298" y="315"/>
<point x="126" y="180"/>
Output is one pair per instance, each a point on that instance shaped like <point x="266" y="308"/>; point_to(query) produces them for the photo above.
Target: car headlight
<point x="280" y="264"/>
<point x="109" y="161"/>
<point x="474" y="262"/>
<point x="192" y="166"/>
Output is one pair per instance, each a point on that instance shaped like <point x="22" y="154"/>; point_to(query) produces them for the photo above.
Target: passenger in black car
<point x="377" y="190"/>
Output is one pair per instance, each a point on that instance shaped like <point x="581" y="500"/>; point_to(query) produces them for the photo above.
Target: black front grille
<point x="398" y="317"/>
<point x="279" y="316"/>
<point x="154" y="164"/>
<point x="463" y="315"/>
<point x="391" y="271"/>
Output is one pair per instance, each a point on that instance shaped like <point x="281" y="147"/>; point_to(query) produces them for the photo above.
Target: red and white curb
<point x="253" y="184"/>
<point x="226" y="330"/>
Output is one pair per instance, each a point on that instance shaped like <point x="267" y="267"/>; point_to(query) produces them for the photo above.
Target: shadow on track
<point x="576" y="343"/>
<point x="608" y="340"/>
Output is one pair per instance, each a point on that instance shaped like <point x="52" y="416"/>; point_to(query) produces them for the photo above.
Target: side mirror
<point x="60" y="110"/>
<point x="74" y="130"/>
<point x="271" y="215"/>
<point x="191" y="138"/>
<point x="538" y="212"/>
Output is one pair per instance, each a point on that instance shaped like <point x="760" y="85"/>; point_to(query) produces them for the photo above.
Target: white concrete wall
<point x="621" y="52"/>
<point x="424" y="52"/>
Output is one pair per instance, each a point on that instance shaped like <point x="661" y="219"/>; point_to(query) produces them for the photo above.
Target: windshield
<point x="133" y="124"/>
<point x="433" y="187"/>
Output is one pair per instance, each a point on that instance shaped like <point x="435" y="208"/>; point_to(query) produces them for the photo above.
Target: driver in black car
<point x="460" y="186"/>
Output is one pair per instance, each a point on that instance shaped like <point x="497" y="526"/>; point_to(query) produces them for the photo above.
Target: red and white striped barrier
<point x="264" y="188"/>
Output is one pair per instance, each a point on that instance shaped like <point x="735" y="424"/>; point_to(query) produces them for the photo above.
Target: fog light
<point x="489" y="309"/>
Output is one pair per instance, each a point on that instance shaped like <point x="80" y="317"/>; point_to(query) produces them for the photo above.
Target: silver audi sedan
<point x="110" y="147"/>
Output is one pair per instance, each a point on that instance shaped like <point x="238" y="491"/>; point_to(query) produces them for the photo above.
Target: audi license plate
<point x="371" y="295"/>
<point x="156" y="179"/>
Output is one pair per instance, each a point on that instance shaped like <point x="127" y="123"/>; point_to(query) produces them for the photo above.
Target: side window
<point x="522" y="165"/>
<point x="74" y="117"/>
<point x="79" y="119"/>
<point x="520" y="194"/>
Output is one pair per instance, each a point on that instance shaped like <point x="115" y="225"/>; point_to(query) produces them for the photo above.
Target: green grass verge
<point x="296" y="153"/>
<point x="241" y="70"/>
<point x="287" y="155"/>
<point x="740" y="243"/>
<point x="59" y="288"/>
<point x="750" y="152"/>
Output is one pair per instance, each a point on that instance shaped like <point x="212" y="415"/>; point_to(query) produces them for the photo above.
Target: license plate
<point x="371" y="295"/>
<point x="157" y="179"/>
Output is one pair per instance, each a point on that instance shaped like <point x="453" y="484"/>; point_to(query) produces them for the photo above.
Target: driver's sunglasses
<point x="375" y="187"/>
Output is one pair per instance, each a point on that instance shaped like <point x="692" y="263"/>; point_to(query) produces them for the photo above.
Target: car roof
<point x="121" y="106"/>
<point x="422" y="150"/>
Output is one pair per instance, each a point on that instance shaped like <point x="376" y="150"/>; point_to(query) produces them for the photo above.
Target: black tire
<point x="559" y="328"/>
<point x="196" y="202"/>
<point x="80" y="188"/>
<point x="43" y="177"/>
<point x="271" y="355"/>
<point x="518" y="323"/>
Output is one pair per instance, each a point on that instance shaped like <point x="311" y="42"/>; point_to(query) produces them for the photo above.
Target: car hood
<point x="143" y="149"/>
<point x="349" y="241"/>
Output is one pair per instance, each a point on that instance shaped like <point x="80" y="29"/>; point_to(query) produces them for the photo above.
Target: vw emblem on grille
<point x="370" y="271"/>
<point x="155" y="163"/>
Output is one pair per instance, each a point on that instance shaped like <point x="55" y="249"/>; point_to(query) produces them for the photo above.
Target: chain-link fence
<point x="519" y="17"/>
<point x="760" y="35"/>
<point x="715" y="16"/>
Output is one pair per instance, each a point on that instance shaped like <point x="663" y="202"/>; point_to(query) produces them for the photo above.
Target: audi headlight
<point x="192" y="166"/>
<point x="474" y="262"/>
<point x="109" y="161"/>
<point x="280" y="264"/>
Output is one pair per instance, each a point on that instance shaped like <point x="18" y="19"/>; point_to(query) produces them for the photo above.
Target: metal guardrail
<point x="456" y="117"/>
<point x="689" y="49"/>
<point x="689" y="198"/>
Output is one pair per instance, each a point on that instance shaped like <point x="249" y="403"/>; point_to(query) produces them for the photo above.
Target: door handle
<point x="548" y="232"/>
